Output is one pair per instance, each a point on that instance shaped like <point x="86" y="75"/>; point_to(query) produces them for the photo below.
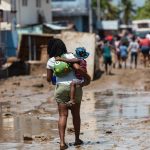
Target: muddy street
<point x="115" y="113"/>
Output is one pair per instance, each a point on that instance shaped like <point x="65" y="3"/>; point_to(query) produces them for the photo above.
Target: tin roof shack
<point x="8" y="48"/>
<point x="33" y="50"/>
<point x="107" y="27"/>
<point x="45" y="28"/>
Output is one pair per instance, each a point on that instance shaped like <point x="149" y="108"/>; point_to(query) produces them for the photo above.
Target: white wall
<point x="29" y="14"/>
<point x="47" y="10"/>
<point x="73" y="40"/>
<point x="5" y="5"/>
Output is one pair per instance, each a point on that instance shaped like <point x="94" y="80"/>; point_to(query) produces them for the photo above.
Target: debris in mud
<point x="35" y="112"/>
<point x="70" y="130"/>
<point x="104" y="93"/>
<point x="147" y="87"/>
<point x="16" y="83"/>
<point x="18" y="102"/>
<point x="88" y="99"/>
<point x="27" y="138"/>
<point x="147" y="121"/>
<point x="39" y="85"/>
<point x="108" y="132"/>
<point x="37" y="138"/>
<point x="86" y="125"/>
<point x="41" y="138"/>
<point x="49" y="118"/>
<point x="8" y="115"/>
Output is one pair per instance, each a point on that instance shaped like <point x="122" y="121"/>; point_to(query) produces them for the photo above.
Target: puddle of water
<point x="120" y="105"/>
<point x="108" y="118"/>
<point x="15" y="128"/>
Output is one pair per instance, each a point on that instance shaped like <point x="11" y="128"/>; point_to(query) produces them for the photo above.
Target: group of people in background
<point x="116" y="50"/>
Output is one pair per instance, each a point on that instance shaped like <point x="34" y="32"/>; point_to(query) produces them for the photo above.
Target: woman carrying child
<point x="57" y="48"/>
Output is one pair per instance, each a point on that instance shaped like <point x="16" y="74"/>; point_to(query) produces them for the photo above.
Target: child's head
<point x="56" y="47"/>
<point x="81" y="53"/>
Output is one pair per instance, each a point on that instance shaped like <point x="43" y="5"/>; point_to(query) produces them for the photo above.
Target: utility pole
<point x="90" y="17"/>
<point x="1" y="48"/>
<point x="13" y="12"/>
<point x="98" y="10"/>
<point x="1" y="18"/>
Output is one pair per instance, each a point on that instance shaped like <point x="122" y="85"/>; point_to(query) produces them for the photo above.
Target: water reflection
<point x="121" y="105"/>
<point x="14" y="128"/>
<point x="99" y="128"/>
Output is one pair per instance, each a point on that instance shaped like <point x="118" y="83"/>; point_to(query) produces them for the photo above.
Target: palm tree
<point x="143" y="12"/>
<point x="127" y="8"/>
<point x="107" y="10"/>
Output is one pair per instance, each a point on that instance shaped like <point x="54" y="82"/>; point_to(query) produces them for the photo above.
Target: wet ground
<point x="115" y="113"/>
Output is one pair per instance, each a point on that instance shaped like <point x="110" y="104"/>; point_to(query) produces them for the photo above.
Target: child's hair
<point x="56" y="47"/>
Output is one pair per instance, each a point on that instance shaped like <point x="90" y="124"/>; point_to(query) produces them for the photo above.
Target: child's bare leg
<point x="72" y="95"/>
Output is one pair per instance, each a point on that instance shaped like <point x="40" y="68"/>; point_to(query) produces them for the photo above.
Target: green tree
<point x="127" y="9"/>
<point x="143" y="12"/>
<point x="108" y="11"/>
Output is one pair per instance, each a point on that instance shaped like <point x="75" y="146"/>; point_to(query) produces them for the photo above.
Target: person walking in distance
<point x="107" y="57"/>
<point x="133" y="48"/>
<point x="123" y="53"/>
<point x="145" y="49"/>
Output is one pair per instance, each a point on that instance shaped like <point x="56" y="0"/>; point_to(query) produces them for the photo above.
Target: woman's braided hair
<point x="56" y="47"/>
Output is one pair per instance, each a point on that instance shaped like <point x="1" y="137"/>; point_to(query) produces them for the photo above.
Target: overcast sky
<point x="137" y="2"/>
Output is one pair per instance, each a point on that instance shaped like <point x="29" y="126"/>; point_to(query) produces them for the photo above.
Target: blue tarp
<point x="10" y="42"/>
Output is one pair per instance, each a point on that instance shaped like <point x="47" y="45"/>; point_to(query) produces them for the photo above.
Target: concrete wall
<point x="79" y="39"/>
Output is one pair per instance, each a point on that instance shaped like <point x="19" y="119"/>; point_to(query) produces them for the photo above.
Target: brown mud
<point x="115" y="113"/>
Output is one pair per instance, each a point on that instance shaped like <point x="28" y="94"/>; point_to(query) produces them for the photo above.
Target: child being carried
<point x="80" y="55"/>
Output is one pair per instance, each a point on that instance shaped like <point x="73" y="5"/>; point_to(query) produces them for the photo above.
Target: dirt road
<point x="115" y="113"/>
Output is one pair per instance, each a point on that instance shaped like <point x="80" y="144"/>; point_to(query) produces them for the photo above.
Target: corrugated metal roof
<point x="55" y="27"/>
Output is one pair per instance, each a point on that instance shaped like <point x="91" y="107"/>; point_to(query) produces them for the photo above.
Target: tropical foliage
<point x="127" y="9"/>
<point x="108" y="11"/>
<point x="144" y="12"/>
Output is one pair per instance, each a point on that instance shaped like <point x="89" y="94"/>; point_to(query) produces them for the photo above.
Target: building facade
<point x="20" y="13"/>
<point x="25" y="12"/>
<point x="33" y="11"/>
<point x="71" y="11"/>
